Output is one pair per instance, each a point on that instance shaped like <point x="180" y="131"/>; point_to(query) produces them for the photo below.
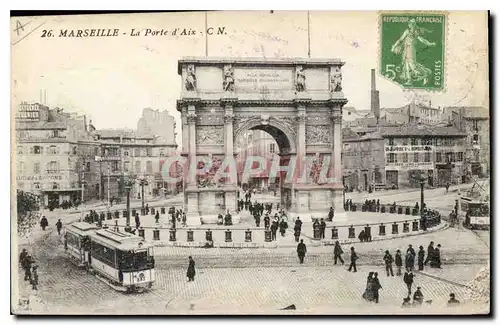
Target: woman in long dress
<point x="410" y="70"/>
<point x="191" y="271"/>
<point x="368" y="294"/>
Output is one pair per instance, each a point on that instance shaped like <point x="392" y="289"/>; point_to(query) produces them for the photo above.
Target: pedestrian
<point x="274" y="229"/>
<point x="257" y="220"/>
<point x="44" y="223"/>
<point x="388" y="259"/>
<point x="59" y="227"/>
<point x="23" y="256"/>
<point x="301" y="251"/>
<point x="283" y="226"/>
<point x="368" y="294"/>
<point x="34" y="278"/>
<point x="157" y="217"/>
<point x="418" y="297"/>
<point x="408" y="280"/>
<point x="436" y="259"/>
<point x="430" y="252"/>
<point x="137" y="221"/>
<point x="354" y="257"/>
<point x="27" y="267"/>
<point x="399" y="262"/>
<point x="191" y="272"/>
<point x="331" y="214"/>
<point x="337" y="253"/>
<point x="410" y="257"/>
<point x="296" y="234"/>
<point x="453" y="302"/>
<point x="322" y="228"/>
<point x="376" y="287"/>
<point x="267" y="221"/>
<point x="421" y="256"/>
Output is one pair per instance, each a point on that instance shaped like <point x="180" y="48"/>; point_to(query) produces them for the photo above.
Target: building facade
<point x="413" y="113"/>
<point x="363" y="160"/>
<point x="475" y="123"/>
<point x="48" y="159"/>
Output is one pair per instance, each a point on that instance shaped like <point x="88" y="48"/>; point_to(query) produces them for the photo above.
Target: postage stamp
<point x="412" y="49"/>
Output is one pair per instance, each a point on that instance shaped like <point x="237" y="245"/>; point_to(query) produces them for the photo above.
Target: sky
<point x="112" y="79"/>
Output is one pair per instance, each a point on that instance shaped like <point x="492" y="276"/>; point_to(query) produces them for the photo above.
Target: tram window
<point x="103" y="254"/>
<point x="73" y="240"/>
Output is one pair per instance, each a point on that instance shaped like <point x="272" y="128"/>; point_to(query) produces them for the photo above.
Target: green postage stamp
<point x="412" y="49"/>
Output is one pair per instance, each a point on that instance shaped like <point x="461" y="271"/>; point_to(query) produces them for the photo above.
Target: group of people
<point x="176" y="215"/>
<point x="27" y="263"/>
<point x="433" y="256"/>
<point x="372" y="287"/>
<point x="279" y="222"/>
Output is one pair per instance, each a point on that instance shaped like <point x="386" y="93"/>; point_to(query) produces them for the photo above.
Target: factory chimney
<point x="375" y="101"/>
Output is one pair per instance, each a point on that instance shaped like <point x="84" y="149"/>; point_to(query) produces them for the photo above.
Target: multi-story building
<point x="398" y="156"/>
<point x="412" y="113"/>
<point x="47" y="154"/>
<point x="124" y="154"/>
<point x="157" y="123"/>
<point x="475" y="123"/>
<point x="363" y="160"/>
<point x="415" y="151"/>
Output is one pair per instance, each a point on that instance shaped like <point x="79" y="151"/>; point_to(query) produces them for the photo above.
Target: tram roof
<point x="119" y="240"/>
<point x="82" y="228"/>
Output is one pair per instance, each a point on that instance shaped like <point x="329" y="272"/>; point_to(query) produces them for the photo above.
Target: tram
<point x="77" y="242"/>
<point x="122" y="260"/>
<point x="475" y="207"/>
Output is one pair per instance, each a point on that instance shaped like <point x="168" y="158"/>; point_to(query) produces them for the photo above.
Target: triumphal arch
<point x="297" y="101"/>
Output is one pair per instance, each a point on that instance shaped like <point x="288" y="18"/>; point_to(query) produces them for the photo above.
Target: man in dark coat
<point x="322" y="228"/>
<point x="331" y="214"/>
<point x="34" y="278"/>
<point x="421" y="256"/>
<point x="59" y="226"/>
<point x="157" y="217"/>
<point x="301" y="251"/>
<point x="191" y="272"/>
<point x="430" y="252"/>
<point x="408" y="280"/>
<point x="298" y="224"/>
<point x="399" y="262"/>
<point x="388" y="263"/>
<point x="354" y="257"/>
<point x="28" y="260"/>
<point x="436" y="259"/>
<point x="376" y="287"/>
<point x="337" y="253"/>
<point x="267" y="221"/>
<point x="44" y="223"/>
<point x="137" y="221"/>
<point x="23" y="256"/>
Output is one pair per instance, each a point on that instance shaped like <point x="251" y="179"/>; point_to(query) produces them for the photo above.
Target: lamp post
<point x="422" y="183"/>
<point x="128" y="187"/>
<point x="143" y="183"/>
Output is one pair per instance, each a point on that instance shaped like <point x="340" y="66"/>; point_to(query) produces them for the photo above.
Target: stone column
<point x="230" y="194"/>
<point x="301" y="141"/>
<point x="191" y="191"/>
<point x="338" y="200"/>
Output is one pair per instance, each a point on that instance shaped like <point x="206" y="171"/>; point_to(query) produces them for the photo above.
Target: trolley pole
<point x="422" y="182"/>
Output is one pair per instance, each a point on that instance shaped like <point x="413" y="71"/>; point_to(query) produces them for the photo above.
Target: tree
<point x="27" y="211"/>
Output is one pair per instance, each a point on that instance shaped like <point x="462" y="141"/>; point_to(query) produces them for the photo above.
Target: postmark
<point x="412" y="49"/>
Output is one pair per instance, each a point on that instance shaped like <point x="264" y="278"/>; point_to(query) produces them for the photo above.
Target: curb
<point x="313" y="243"/>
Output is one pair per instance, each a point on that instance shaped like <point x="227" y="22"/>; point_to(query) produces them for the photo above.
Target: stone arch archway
<point x="298" y="102"/>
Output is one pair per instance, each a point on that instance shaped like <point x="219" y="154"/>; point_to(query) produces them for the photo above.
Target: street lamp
<point x="422" y="183"/>
<point x="143" y="183"/>
<point x="128" y="187"/>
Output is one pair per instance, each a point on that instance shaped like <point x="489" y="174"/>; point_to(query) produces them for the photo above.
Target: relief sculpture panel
<point x="318" y="134"/>
<point x="207" y="169"/>
<point x="213" y="135"/>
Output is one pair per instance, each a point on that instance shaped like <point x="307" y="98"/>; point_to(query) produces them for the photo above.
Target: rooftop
<point x="419" y="130"/>
<point x="257" y="61"/>
<point x="471" y="111"/>
<point x="119" y="240"/>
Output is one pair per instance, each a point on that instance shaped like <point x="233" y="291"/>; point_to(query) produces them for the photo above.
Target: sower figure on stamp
<point x="337" y="253"/>
<point x="191" y="272"/>
<point x="301" y="251"/>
